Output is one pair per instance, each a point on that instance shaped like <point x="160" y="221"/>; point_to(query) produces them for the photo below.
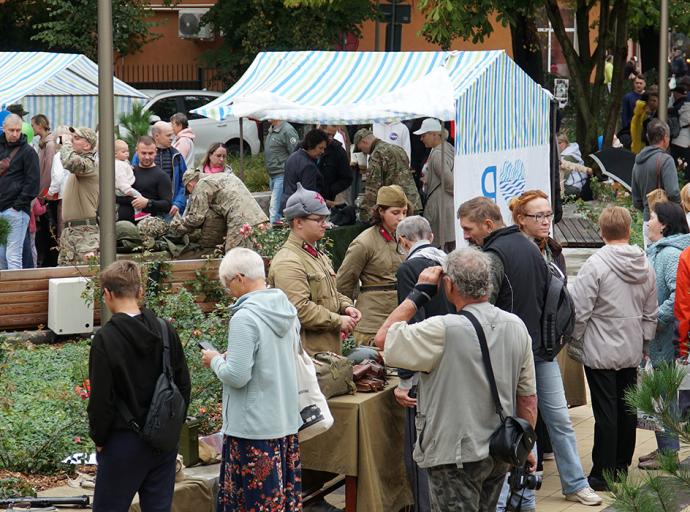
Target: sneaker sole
<point x="572" y="497"/>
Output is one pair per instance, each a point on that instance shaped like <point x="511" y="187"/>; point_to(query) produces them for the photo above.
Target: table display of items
<point x="362" y="370"/>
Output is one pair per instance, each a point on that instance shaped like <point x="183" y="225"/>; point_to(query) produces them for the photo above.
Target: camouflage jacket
<point x="80" y="196"/>
<point x="225" y="195"/>
<point x="388" y="165"/>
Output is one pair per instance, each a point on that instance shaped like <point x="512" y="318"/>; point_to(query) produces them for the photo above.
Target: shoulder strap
<point x="167" y="368"/>
<point x="487" y="360"/>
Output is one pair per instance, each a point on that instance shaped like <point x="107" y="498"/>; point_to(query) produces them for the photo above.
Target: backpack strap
<point x="487" y="360"/>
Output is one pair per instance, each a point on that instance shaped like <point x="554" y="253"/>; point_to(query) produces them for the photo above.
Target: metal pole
<point x="106" y="149"/>
<point x="663" y="62"/>
<point x="241" y="149"/>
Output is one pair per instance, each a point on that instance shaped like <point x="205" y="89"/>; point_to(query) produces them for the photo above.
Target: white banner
<point x="500" y="176"/>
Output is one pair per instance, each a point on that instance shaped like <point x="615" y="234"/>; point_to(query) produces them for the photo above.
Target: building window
<point x="552" y="53"/>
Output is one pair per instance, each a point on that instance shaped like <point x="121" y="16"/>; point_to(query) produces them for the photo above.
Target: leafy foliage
<point x="252" y="26"/>
<point x="5" y="229"/>
<point x="137" y="123"/>
<point x="18" y="20"/>
<point x="255" y="173"/>
<point x="73" y="26"/>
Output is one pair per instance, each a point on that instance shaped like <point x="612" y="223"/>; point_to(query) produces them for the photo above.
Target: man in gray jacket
<point x="654" y="168"/>
<point x="454" y="428"/>
<point x="281" y="142"/>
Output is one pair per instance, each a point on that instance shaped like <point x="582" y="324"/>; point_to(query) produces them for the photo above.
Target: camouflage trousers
<point x="76" y="242"/>
<point x="473" y="488"/>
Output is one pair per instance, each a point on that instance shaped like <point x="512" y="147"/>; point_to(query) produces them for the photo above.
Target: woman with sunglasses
<point x="373" y="259"/>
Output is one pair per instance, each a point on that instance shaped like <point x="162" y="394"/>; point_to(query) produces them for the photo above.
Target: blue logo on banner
<point x="509" y="182"/>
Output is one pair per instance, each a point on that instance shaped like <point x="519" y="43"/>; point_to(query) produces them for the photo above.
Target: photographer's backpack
<point x="558" y="316"/>
<point x="167" y="410"/>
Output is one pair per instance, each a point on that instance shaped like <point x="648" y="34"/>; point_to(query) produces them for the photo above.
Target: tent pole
<point x="106" y="151"/>
<point x="241" y="149"/>
<point x="663" y="62"/>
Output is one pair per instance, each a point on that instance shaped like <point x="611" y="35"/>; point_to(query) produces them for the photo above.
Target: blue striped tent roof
<point x="483" y="91"/>
<point x="52" y="74"/>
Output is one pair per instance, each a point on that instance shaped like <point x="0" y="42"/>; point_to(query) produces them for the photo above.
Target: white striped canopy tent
<point x="62" y="86"/>
<point x="495" y="104"/>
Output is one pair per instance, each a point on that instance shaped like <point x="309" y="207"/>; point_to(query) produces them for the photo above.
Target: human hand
<point x="347" y="324"/>
<point x="174" y="210"/>
<point x="330" y="204"/>
<point x="531" y="463"/>
<point x="402" y="396"/>
<point x="354" y="313"/>
<point x="207" y="356"/>
<point x="99" y="449"/>
<point x="139" y="203"/>
<point x="430" y="275"/>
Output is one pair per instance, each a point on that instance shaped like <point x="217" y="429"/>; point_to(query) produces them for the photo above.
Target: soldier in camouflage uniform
<point x="388" y="165"/>
<point x="219" y="205"/>
<point x="80" y="238"/>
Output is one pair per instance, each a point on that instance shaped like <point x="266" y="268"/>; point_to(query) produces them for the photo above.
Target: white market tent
<point x="62" y="86"/>
<point x="501" y="114"/>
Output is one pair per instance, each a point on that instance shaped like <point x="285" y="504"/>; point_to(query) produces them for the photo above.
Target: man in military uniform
<point x="219" y="205"/>
<point x="388" y="165"/>
<point x="79" y="240"/>
<point x="306" y="276"/>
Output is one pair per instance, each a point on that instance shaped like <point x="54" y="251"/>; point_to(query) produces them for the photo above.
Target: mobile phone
<point x="206" y="345"/>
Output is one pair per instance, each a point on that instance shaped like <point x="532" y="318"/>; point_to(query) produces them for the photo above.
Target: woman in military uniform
<point x="372" y="259"/>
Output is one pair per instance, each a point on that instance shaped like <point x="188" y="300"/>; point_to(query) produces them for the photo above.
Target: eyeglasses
<point x="540" y="217"/>
<point x="318" y="220"/>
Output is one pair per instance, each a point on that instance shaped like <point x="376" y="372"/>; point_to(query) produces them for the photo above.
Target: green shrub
<point x="4" y="230"/>
<point x="255" y="174"/>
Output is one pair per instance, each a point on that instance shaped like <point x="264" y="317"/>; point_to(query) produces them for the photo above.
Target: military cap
<point x="391" y="195"/>
<point x="85" y="133"/>
<point x="304" y="203"/>
<point x="152" y="227"/>
<point x="191" y="175"/>
<point x="362" y="133"/>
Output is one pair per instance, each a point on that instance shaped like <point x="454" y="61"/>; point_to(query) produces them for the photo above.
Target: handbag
<point x="369" y="376"/>
<point x="334" y="373"/>
<point x="658" y="195"/>
<point x="5" y="162"/>
<point x="511" y="442"/>
<point x="313" y="408"/>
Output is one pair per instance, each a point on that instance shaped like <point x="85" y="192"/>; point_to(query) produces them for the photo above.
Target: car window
<point x="195" y="101"/>
<point x="165" y="108"/>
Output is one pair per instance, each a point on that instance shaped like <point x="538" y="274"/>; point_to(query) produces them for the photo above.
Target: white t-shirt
<point x="394" y="133"/>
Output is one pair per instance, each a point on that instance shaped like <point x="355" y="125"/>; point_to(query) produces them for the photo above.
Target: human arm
<point x="636" y="192"/>
<point x="179" y="362"/>
<point x="57" y="176"/>
<point x="373" y="183"/>
<point x="160" y="205"/>
<point x="235" y="369"/>
<point x="681" y="308"/>
<point x="669" y="270"/>
<point x="585" y="292"/>
<point x="77" y="163"/>
<point x="356" y="258"/>
<point x="441" y="165"/>
<point x="101" y="408"/>
<point x="669" y="179"/>
<point x="651" y="307"/>
<point x="416" y="347"/>
<point x="194" y="217"/>
<point x="177" y="194"/>
<point x="32" y="179"/>
<point x="497" y="272"/>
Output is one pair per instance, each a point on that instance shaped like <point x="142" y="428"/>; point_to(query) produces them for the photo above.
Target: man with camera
<point x="455" y="428"/>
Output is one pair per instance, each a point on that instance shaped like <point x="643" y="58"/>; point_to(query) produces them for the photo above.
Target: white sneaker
<point x="586" y="496"/>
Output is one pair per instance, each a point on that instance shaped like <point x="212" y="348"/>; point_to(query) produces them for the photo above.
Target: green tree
<point x="73" y="26"/>
<point x="17" y="18"/>
<point x="252" y="26"/>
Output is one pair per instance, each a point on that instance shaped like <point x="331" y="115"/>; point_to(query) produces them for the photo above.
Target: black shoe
<point x="598" y="484"/>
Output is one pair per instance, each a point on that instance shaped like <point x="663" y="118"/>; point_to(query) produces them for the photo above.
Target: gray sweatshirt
<point x="644" y="177"/>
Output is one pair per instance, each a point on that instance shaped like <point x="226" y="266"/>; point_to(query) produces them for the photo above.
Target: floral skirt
<point x="260" y="475"/>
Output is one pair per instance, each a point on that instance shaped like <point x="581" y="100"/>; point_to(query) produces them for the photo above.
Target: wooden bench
<point x="577" y="232"/>
<point x="24" y="293"/>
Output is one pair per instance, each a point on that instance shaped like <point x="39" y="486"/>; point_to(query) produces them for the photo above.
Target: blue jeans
<point x="276" y="185"/>
<point x="554" y="410"/>
<point x="11" y="254"/>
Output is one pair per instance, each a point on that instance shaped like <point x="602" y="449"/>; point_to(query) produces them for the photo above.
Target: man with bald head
<point x="171" y="162"/>
<point x="19" y="180"/>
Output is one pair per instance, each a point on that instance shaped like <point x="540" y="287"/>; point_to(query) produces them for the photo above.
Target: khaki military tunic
<point x="307" y="278"/>
<point x="219" y="205"/>
<point x="388" y="165"/>
<point x="372" y="258"/>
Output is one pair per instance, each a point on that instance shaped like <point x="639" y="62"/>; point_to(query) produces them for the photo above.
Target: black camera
<point x="520" y="479"/>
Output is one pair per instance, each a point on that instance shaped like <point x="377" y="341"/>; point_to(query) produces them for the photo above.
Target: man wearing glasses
<point x="306" y="276"/>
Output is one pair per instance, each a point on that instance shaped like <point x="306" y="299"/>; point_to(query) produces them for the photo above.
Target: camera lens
<point x="533" y="482"/>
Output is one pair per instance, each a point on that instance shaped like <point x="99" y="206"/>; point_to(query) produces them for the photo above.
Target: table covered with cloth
<point x="365" y="441"/>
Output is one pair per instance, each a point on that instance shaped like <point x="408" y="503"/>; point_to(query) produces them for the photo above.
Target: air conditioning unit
<point x="189" y="25"/>
<point x="68" y="311"/>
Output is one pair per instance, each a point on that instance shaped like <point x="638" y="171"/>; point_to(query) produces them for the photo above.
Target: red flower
<point x="77" y="439"/>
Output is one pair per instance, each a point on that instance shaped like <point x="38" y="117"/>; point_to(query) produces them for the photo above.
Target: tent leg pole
<point x="241" y="149"/>
<point x="106" y="150"/>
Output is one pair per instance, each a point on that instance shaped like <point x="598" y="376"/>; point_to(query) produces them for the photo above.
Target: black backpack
<point x="167" y="411"/>
<point x="558" y="315"/>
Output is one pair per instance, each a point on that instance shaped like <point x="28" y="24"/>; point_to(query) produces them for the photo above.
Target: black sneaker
<point x="598" y="484"/>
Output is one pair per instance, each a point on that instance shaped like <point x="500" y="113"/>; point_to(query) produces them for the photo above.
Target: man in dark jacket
<point x="335" y="168"/>
<point x="301" y="166"/>
<point x="19" y="180"/>
<point x="519" y="281"/>
<point x="125" y="362"/>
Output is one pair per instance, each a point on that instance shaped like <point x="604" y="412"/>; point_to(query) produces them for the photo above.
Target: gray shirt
<point x="447" y="349"/>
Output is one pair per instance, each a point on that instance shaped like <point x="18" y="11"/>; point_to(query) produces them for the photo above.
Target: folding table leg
<point x="350" y="494"/>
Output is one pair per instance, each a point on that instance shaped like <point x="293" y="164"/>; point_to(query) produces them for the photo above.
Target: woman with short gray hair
<point x="260" y="403"/>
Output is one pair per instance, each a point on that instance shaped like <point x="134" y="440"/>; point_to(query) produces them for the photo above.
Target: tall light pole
<point x="663" y="62"/>
<point x="106" y="149"/>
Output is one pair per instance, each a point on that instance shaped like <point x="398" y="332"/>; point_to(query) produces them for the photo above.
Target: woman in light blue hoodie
<point x="668" y="232"/>
<point x="261" y="467"/>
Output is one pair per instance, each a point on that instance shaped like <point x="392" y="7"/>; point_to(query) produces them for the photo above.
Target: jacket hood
<point x="573" y="150"/>
<point x="626" y="261"/>
<point x="680" y="242"/>
<point x="271" y="306"/>
<point x="647" y="153"/>
<point x="430" y="253"/>
<point x="186" y="132"/>
<point x="141" y="332"/>
<point x="20" y="142"/>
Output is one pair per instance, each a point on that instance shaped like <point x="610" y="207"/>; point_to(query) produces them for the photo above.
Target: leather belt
<point x="379" y="288"/>
<point x="81" y="222"/>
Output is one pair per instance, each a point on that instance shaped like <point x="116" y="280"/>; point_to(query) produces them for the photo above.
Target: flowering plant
<point x="263" y="239"/>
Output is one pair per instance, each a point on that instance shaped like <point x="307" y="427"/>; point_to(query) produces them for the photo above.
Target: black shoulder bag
<point x="513" y="440"/>
<point x="167" y="410"/>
